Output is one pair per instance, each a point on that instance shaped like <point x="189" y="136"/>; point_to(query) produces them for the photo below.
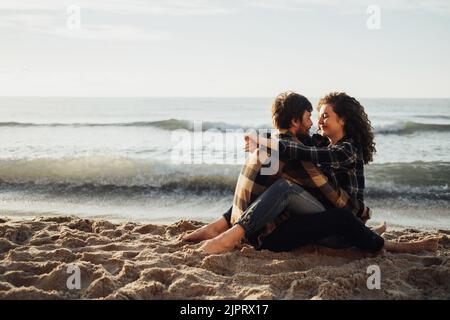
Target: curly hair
<point x="357" y="124"/>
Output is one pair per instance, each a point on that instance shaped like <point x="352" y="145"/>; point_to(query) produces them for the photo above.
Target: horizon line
<point x="199" y="97"/>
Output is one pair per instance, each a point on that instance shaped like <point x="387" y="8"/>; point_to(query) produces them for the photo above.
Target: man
<point x="291" y="115"/>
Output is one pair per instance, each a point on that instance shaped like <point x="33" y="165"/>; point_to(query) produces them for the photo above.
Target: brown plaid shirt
<point x="251" y="184"/>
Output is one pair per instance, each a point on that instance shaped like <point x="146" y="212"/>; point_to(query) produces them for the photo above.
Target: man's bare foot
<point x="224" y="242"/>
<point x="207" y="232"/>
<point x="216" y="246"/>
<point x="430" y="244"/>
<point x="380" y="229"/>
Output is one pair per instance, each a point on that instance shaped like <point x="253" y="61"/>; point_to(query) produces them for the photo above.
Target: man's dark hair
<point x="289" y="106"/>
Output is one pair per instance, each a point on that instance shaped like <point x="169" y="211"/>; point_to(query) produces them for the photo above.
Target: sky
<point x="225" y="48"/>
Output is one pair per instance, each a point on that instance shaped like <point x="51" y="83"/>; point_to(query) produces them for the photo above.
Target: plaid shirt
<point x="252" y="184"/>
<point x="342" y="163"/>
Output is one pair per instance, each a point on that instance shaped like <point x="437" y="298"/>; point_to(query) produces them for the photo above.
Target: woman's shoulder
<point x="350" y="143"/>
<point x="353" y="147"/>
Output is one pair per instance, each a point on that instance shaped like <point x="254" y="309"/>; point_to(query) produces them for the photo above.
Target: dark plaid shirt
<point x="342" y="163"/>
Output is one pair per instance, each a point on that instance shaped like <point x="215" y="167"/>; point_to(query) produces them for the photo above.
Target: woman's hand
<point x="251" y="143"/>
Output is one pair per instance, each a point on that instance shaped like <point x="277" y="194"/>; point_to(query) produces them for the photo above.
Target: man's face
<point x="305" y="124"/>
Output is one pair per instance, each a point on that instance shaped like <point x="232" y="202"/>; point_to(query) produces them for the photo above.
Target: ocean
<point x="164" y="159"/>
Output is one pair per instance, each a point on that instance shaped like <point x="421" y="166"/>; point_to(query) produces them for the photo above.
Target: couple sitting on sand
<point x="317" y="194"/>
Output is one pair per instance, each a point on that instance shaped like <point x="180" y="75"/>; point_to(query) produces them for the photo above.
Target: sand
<point x="146" y="261"/>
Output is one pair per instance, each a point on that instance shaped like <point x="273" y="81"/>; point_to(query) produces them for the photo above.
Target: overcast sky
<point x="224" y="48"/>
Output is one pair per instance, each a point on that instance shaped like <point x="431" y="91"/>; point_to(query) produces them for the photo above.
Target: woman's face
<point x="330" y="125"/>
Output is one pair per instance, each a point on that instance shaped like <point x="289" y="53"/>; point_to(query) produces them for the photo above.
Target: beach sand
<point x="146" y="261"/>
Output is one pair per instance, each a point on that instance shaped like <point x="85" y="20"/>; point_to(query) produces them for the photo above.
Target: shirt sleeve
<point x="340" y="155"/>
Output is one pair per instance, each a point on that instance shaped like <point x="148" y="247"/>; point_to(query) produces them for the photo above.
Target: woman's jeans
<point x="305" y="229"/>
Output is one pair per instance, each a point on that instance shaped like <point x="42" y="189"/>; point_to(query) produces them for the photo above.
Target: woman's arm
<point x="341" y="155"/>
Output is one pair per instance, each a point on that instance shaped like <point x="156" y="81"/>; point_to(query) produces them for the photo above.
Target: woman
<point x="343" y="121"/>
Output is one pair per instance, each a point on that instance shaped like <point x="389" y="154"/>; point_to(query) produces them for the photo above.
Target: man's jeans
<point x="280" y="196"/>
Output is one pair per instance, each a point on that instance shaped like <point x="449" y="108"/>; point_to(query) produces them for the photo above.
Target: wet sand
<point x="147" y="261"/>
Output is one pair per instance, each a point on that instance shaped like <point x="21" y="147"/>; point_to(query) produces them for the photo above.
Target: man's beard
<point x="303" y="133"/>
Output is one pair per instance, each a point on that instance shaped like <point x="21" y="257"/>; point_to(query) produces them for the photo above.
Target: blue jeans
<point x="280" y="196"/>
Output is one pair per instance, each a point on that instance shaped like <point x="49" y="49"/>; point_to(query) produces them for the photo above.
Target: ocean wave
<point x="135" y="176"/>
<point x="120" y="172"/>
<point x="408" y="127"/>
<point x="434" y="116"/>
<point x="414" y="174"/>
<point x="169" y="125"/>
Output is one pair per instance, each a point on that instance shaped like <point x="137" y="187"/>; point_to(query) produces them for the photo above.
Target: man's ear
<point x="295" y="123"/>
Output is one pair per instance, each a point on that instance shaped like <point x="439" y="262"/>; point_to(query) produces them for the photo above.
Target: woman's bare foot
<point x="380" y="229"/>
<point x="430" y="244"/>
<point x="224" y="242"/>
<point x="207" y="232"/>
